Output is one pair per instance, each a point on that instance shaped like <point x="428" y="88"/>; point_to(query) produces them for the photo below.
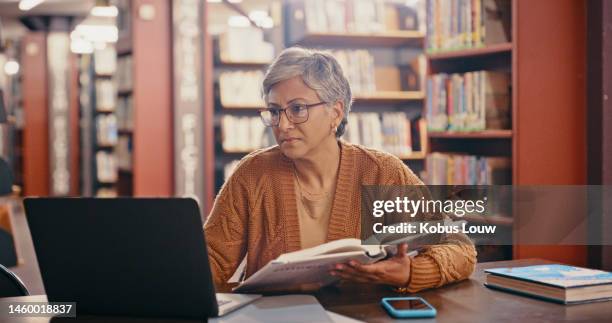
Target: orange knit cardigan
<point x="255" y="214"/>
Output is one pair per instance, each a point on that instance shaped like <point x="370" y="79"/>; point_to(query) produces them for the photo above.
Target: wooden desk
<point x="467" y="301"/>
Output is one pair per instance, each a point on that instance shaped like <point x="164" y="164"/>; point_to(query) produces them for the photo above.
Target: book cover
<point x="561" y="276"/>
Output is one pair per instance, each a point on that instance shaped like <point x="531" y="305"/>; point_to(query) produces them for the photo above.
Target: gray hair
<point x="319" y="70"/>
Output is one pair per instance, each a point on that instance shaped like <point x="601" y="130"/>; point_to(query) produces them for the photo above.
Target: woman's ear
<point x="338" y="112"/>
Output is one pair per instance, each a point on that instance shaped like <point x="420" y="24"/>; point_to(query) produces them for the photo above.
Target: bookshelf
<point x="386" y="51"/>
<point x="144" y="99"/>
<point x="457" y="90"/>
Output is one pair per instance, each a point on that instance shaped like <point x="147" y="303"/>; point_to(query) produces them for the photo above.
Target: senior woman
<point x="306" y="190"/>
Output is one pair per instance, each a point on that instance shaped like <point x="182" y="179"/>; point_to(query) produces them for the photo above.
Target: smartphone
<point x="408" y="307"/>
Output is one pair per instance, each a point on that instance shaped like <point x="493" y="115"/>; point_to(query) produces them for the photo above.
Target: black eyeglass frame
<point x="307" y="106"/>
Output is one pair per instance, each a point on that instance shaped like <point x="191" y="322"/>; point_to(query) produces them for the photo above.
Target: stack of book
<point x="363" y="16"/>
<point x="107" y="167"/>
<point x="358" y="67"/>
<point x="105" y="95"/>
<point x="458" y="24"/>
<point x="124" y="73"/>
<point x="388" y="131"/>
<point x="556" y="283"/>
<point x="469" y="101"/>
<point x="106" y="129"/>
<point x="241" y="88"/>
<point x="457" y="169"/>
<point x="243" y="134"/>
<point x="245" y="44"/>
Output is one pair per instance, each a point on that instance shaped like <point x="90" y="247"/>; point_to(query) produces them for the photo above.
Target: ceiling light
<point x="11" y="67"/>
<point x="234" y="1"/>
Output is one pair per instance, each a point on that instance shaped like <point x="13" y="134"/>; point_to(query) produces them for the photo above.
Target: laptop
<point x="126" y="257"/>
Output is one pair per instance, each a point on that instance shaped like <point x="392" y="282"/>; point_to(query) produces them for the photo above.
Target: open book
<point x="310" y="267"/>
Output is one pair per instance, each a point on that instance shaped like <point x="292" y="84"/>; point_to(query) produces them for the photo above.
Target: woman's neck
<point x="317" y="172"/>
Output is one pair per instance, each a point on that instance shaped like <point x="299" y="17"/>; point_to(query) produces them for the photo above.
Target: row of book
<point x="123" y="151"/>
<point x="458" y="169"/>
<point x="106" y="129"/>
<point x="125" y="113"/>
<point x="358" y="67"/>
<point x="458" y="24"/>
<point x="244" y="134"/>
<point x="106" y="170"/>
<point x="363" y="16"/>
<point x="388" y="131"/>
<point x="124" y="72"/>
<point x="244" y="44"/>
<point x="241" y="88"/>
<point x="106" y="95"/>
<point x="469" y="101"/>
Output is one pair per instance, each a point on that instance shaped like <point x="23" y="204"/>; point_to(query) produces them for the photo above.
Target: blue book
<point x="558" y="283"/>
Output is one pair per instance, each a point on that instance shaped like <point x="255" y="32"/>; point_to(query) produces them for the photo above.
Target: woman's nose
<point x="283" y="122"/>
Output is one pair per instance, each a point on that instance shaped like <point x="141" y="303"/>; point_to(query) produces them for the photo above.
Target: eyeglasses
<point x="296" y="113"/>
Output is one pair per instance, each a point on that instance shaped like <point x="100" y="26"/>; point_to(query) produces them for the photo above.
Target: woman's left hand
<point x="393" y="271"/>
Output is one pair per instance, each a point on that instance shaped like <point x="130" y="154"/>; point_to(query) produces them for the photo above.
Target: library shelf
<point x="472" y="52"/>
<point x="398" y="38"/>
<point x="501" y="220"/>
<point x="485" y="134"/>
<point x="389" y="96"/>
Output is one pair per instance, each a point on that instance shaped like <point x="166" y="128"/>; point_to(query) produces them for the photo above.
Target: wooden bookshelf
<point x="486" y="134"/>
<point x="472" y="52"/>
<point x="397" y="38"/>
<point x="151" y="93"/>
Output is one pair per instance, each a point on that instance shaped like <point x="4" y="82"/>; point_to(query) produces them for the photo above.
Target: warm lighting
<point x="25" y="5"/>
<point x="108" y="11"/>
<point x="11" y="67"/>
